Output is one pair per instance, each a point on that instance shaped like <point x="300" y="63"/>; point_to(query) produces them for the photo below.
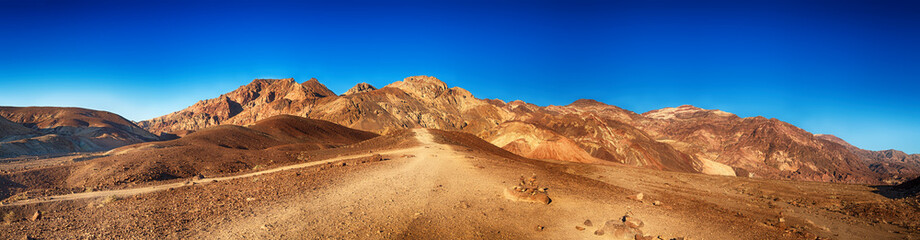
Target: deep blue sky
<point x="849" y="68"/>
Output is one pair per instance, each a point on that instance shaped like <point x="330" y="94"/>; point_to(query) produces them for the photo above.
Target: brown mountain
<point x="54" y="130"/>
<point x="423" y="101"/>
<point x="896" y="165"/>
<point x="685" y="138"/>
<point x="756" y="145"/>
<point x="260" y="99"/>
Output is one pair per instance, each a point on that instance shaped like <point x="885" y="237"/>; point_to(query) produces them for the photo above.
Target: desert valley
<point x="419" y="159"/>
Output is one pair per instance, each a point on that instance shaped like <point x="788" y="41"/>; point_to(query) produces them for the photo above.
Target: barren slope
<point x="452" y="185"/>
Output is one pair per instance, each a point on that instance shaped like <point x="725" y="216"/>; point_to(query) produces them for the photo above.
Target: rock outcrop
<point x="360" y="88"/>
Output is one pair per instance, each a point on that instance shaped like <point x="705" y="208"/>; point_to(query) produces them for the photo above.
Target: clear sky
<point x="849" y="68"/>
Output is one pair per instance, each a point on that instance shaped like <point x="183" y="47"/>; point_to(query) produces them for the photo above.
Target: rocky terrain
<point x="424" y="184"/>
<point x="31" y="131"/>
<point x="685" y="139"/>
<point x="897" y="165"/>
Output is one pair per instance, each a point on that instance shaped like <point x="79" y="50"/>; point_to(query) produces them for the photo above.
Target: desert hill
<point x="686" y="138"/>
<point x="212" y="151"/>
<point x="52" y="130"/>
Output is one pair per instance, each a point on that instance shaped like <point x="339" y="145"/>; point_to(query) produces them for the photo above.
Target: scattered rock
<point x="540" y="228"/>
<point x="656" y="203"/>
<point x="36" y="216"/>
<point x="589" y="223"/>
<point x="632" y="222"/>
<point x="619" y="231"/>
<point x="528" y="191"/>
<point x="637" y="197"/>
<point x="579" y="228"/>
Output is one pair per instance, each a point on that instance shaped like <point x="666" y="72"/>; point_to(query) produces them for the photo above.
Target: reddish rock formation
<point x="685" y="138"/>
<point x="895" y="166"/>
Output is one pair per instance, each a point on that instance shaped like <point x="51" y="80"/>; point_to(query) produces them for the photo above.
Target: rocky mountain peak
<point x="422" y="86"/>
<point x="360" y="88"/>
<point x="586" y="103"/>
<point x="833" y="139"/>
<point x="317" y="89"/>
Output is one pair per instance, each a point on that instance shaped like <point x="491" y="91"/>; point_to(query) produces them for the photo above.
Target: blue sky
<point x="849" y="68"/>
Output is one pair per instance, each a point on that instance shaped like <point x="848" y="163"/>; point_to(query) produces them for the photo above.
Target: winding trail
<point x="162" y="187"/>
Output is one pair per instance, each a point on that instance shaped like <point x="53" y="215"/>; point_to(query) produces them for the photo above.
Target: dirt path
<point x="395" y="200"/>
<point x="162" y="187"/>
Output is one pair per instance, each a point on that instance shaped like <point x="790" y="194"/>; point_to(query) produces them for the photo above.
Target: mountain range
<point x="684" y="138"/>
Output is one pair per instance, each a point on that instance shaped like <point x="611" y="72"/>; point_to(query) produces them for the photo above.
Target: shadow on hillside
<point x="903" y="190"/>
<point x="5" y="187"/>
<point x="888" y="191"/>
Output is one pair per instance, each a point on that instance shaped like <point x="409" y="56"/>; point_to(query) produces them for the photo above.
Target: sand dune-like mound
<point x="294" y="129"/>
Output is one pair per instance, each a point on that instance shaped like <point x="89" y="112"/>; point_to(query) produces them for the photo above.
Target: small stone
<point x="540" y="228"/>
<point x="36" y="216"/>
<point x="588" y="223"/>
<point x="632" y="222"/>
<point x="599" y="232"/>
<point x="656" y="203"/>
<point x="580" y="228"/>
<point x="640" y="196"/>
<point x="645" y="237"/>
